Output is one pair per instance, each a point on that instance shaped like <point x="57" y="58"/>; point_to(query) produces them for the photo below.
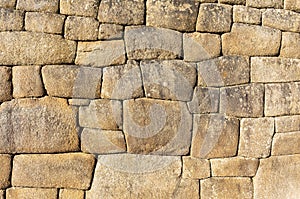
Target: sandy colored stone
<point x="11" y="19"/>
<point x="286" y="143"/>
<point x="40" y="6"/>
<point x="127" y="12"/>
<point x="169" y="80"/>
<point x="8" y="3"/>
<point x="214" y="18"/>
<point x="110" y="31"/>
<point x="275" y="172"/>
<point x="201" y="46"/>
<point x="44" y="125"/>
<point x="44" y="22"/>
<point x="100" y="53"/>
<point x="265" y="3"/>
<point x="2" y="194"/>
<point x="5" y="171"/>
<point x="88" y="8"/>
<point x="224" y="188"/>
<point x="256" y="137"/>
<point x="5" y="83"/>
<point x="243" y="14"/>
<point x="214" y="136"/>
<point x="20" y="48"/>
<point x="98" y="141"/>
<point x="207" y="1"/>
<point x="236" y="166"/>
<point x="71" y="194"/>
<point x="173" y="14"/>
<point x="290" y="45"/>
<point x="292" y="5"/>
<point x="195" y="168"/>
<point x="152" y="43"/>
<point x="187" y="188"/>
<point x="287" y="123"/>
<point x="74" y="81"/>
<point x="30" y="193"/>
<point x="260" y="40"/>
<point x="237" y="2"/>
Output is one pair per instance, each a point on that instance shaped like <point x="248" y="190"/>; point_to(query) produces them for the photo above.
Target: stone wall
<point x="149" y="99"/>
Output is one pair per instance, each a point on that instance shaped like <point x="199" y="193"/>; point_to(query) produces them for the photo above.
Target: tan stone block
<point x="243" y="14"/>
<point x="195" y="168"/>
<point x="41" y="5"/>
<point x="260" y="40"/>
<point x="265" y="3"/>
<point x="292" y="5"/>
<point x="286" y="143"/>
<point x="8" y="3"/>
<point x="87" y="8"/>
<point x="290" y="45"/>
<point x="287" y="123"/>
<point x="71" y="170"/>
<point x="11" y="19"/>
<point x="30" y="193"/>
<point x="207" y="1"/>
<point x="5" y="171"/>
<point x="187" y="188"/>
<point x="110" y="31"/>
<point x="79" y="102"/>
<point x="71" y="194"/>
<point x="2" y="194"/>
<point x="256" y="137"/>
<point x="5" y="84"/>
<point x="236" y="2"/>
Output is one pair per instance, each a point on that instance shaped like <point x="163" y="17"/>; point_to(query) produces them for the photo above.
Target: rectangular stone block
<point x="5" y="171"/>
<point x="11" y="19"/>
<point x="71" y="194"/>
<point x="27" y="193"/>
<point x="195" y="168"/>
<point x="293" y="5"/>
<point x="287" y="123"/>
<point x="236" y="2"/>
<point x="286" y="143"/>
<point x="243" y="14"/>
<point x="7" y="3"/>
<point x="40" y="6"/>
<point x="87" y="8"/>
<point x="265" y="3"/>
<point x="5" y="83"/>
<point x="290" y="45"/>
<point x="110" y="32"/>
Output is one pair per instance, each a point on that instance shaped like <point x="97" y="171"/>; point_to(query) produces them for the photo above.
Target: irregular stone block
<point x="173" y="14"/>
<point x="214" y="136"/>
<point x="71" y="194"/>
<point x="260" y="40"/>
<point x="11" y="19"/>
<point x="87" y="8"/>
<point x="289" y="46"/>
<point x="8" y="3"/>
<point x="127" y="12"/>
<point x="152" y="43"/>
<point x="195" y="168"/>
<point x="214" y="18"/>
<point x="100" y="53"/>
<point x="236" y="2"/>
<point x="20" y="48"/>
<point x="292" y="5"/>
<point x="5" y="84"/>
<point x="287" y="123"/>
<point x="286" y="143"/>
<point x="40" y="6"/>
<point x="243" y="14"/>
<point x="5" y="171"/>
<point x="256" y="137"/>
<point x="278" y="171"/>
<point x="26" y="193"/>
<point x="265" y="3"/>
<point x="173" y="80"/>
<point x="110" y="31"/>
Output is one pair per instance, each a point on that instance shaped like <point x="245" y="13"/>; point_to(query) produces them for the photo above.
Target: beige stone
<point x="243" y="14"/>
<point x="11" y="19"/>
<point x="72" y="170"/>
<point x="238" y="2"/>
<point x="265" y="3"/>
<point x="88" y="8"/>
<point x="236" y="166"/>
<point x="79" y="102"/>
<point x="71" y="194"/>
<point x="187" y="188"/>
<point x="20" y="48"/>
<point x="5" y="171"/>
<point x="278" y="177"/>
<point x="8" y="3"/>
<point x="207" y="1"/>
<point x="173" y="14"/>
<point x="5" y="84"/>
<point x="100" y="53"/>
<point x="2" y="194"/>
<point x="127" y="12"/>
<point x="195" y="168"/>
<point x="260" y="40"/>
<point x="286" y="143"/>
<point x="292" y="5"/>
<point x="110" y="31"/>
<point x="290" y="45"/>
<point x="256" y="137"/>
<point x="214" y="136"/>
<point x="41" y="5"/>
<point x="287" y="123"/>
<point x="74" y="81"/>
<point x="30" y="193"/>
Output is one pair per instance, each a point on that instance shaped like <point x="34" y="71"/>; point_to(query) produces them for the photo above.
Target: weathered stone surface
<point x="286" y="143"/>
<point x="152" y="43"/>
<point x="104" y="114"/>
<point x="8" y="3"/>
<point x="100" y="53"/>
<point x="44" y="125"/>
<point x="214" y="18"/>
<point x="44" y="22"/>
<point x="223" y="188"/>
<point x="41" y="5"/>
<point x="173" y="80"/>
<point x="260" y="40"/>
<point x="187" y="188"/>
<point x="243" y="14"/>
<point x="79" y="102"/>
<point x="127" y="12"/>
<point x="237" y="166"/>
<point x="290" y="45"/>
<point x="237" y="2"/>
<point x="214" y="136"/>
<point x="110" y="31"/>
<point x="11" y="19"/>
<point x="71" y="194"/>
<point x="145" y="132"/>
<point x="195" y="168"/>
<point x="287" y="123"/>
<point x="292" y="5"/>
<point x="102" y="142"/>
<point x="282" y="99"/>
<point x="5" y="171"/>
<point x="256" y="137"/>
<point x="20" y="48"/>
<point x="88" y="8"/>
<point x="201" y="46"/>
<point x="81" y="28"/>
<point x="265" y="3"/>
<point x="2" y="194"/>
<point x="28" y="193"/>
<point x="274" y="172"/>
<point x="5" y="84"/>
<point x="27" y="81"/>
<point x="242" y="101"/>
<point x="173" y="14"/>
<point x="135" y="176"/>
<point x="74" y="81"/>
<point x="72" y="170"/>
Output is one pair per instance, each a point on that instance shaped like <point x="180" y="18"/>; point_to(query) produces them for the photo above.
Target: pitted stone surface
<point x="5" y="83"/>
<point x="265" y="3"/>
<point x="289" y="46"/>
<point x="243" y="14"/>
<point x="88" y="8"/>
<point x="287" y="123"/>
<point x="11" y="20"/>
<point x="5" y="171"/>
<point x="41" y="5"/>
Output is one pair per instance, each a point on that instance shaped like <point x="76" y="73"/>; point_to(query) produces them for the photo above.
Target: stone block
<point x="5" y="83"/>
<point x="8" y="3"/>
<point x="286" y="143"/>
<point x="195" y="168"/>
<point x="28" y="193"/>
<point x="289" y="46"/>
<point x="292" y="5"/>
<point x="265" y="3"/>
<point x="39" y="6"/>
<point x="236" y="2"/>
<point x="71" y="194"/>
<point x="287" y="123"/>
<point x="11" y="20"/>
<point x="87" y="8"/>
<point x="110" y="31"/>
<point x="5" y="171"/>
<point x="243" y="14"/>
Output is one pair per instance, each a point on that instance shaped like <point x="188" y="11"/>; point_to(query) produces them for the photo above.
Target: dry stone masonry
<point x="144" y="99"/>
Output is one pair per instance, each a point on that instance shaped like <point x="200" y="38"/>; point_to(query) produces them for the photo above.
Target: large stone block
<point x="40" y="6"/>
<point x="8" y="3"/>
<point x="195" y="168"/>
<point x="292" y="5"/>
<point x="289" y="46"/>
<point x="243" y="14"/>
<point x="30" y="193"/>
<point x="88" y="8"/>
<point x="287" y="123"/>
<point x="11" y="19"/>
<point x="5" y="171"/>
<point x="286" y="143"/>
<point x="265" y="3"/>
<point x="5" y="83"/>
<point x="110" y="31"/>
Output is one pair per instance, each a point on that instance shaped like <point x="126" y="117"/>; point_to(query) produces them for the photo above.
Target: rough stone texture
<point x="74" y="81"/>
<point x="127" y="12"/>
<point x="72" y="170"/>
<point x="71" y="194"/>
<point x="81" y="28"/>
<point x="256" y="137"/>
<point x="223" y="188"/>
<point x="30" y="193"/>
<point x="173" y="14"/>
<point x="214" y="136"/>
<point x="5" y="171"/>
<point x="135" y="176"/>
<point x="195" y="168"/>
<point x="100" y="53"/>
<point x="260" y="40"/>
<point x="110" y="31"/>
<point x="11" y="19"/>
<point x="265" y="3"/>
<point x="287" y="123"/>
<point x="79" y="102"/>
<point x="44" y="22"/>
<point x="27" y="81"/>
<point x="2" y="194"/>
<point x="286" y="143"/>
<point x="187" y="188"/>
<point x="290" y="45"/>
<point x="201" y="46"/>
<point x="238" y="2"/>
<point x="41" y="5"/>
<point x="44" y="125"/>
<point x="152" y="43"/>
<point x="214" y="18"/>
<point x="243" y="14"/>
<point x="282" y="99"/>
<point x="242" y="101"/>
<point x="20" y="48"/>
<point x="170" y="80"/>
<point x="8" y="3"/>
<point x="5" y="84"/>
<point x="237" y="166"/>
<point x="274" y="172"/>
<point x="292" y="5"/>
<point x="88" y="8"/>
<point x="146" y="133"/>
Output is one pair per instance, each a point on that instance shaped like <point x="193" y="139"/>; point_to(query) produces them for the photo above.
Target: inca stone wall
<point x="150" y="99"/>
